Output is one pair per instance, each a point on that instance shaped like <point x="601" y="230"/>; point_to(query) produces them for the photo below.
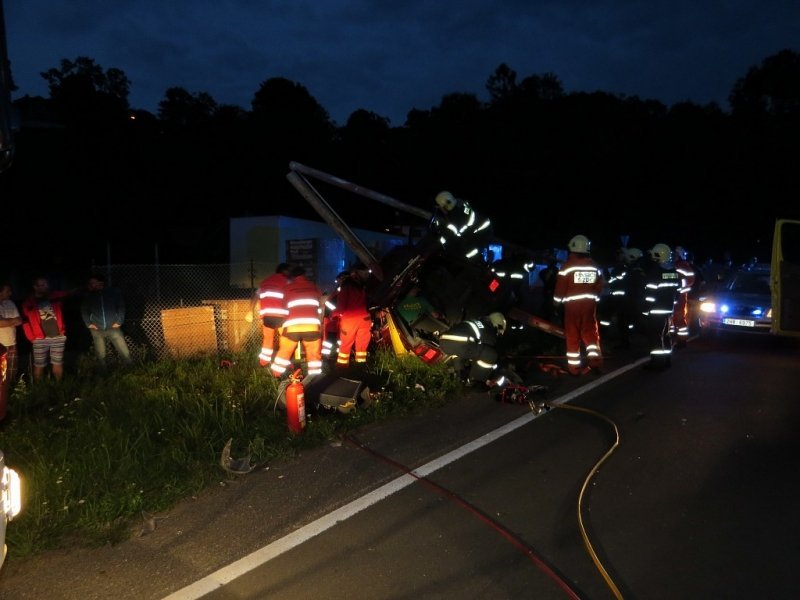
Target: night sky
<point x="391" y="57"/>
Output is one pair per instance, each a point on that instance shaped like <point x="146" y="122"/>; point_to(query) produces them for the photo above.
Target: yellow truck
<point x="785" y="278"/>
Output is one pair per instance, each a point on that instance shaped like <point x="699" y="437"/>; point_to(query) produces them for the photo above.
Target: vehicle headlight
<point x="707" y="306"/>
<point x="11" y="489"/>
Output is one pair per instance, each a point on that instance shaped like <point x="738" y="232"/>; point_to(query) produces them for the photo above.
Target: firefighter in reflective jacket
<point x="330" y="324"/>
<point x="513" y="273"/>
<point x="662" y="282"/>
<point x="471" y="347"/>
<point x="460" y="228"/>
<point x="355" y="320"/>
<point x="626" y="287"/>
<point x="303" y="325"/>
<point x="680" y="315"/>
<point x="272" y="309"/>
<point x="579" y="284"/>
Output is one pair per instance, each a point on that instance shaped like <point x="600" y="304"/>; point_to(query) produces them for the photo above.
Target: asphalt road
<point x="636" y="484"/>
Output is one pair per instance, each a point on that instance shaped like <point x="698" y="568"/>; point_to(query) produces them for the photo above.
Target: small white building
<point x="259" y="244"/>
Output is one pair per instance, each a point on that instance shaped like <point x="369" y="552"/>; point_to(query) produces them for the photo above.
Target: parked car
<point x="740" y="304"/>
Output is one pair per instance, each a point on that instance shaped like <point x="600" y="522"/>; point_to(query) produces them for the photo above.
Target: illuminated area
<point x="11" y="500"/>
<point x="11" y="493"/>
<point x="742" y="304"/>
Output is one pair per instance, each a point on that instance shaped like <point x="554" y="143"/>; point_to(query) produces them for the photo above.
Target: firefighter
<point x="330" y="324"/>
<point x="513" y="274"/>
<point x="548" y="277"/>
<point x="608" y="306"/>
<point x="271" y="310"/>
<point x="662" y="282"/>
<point x="471" y="347"/>
<point x="579" y="284"/>
<point x="303" y="325"/>
<point x="460" y="228"/>
<point x="355" y="320"/>
<point x="680" y="315"/>
<point x="626" y="286"/>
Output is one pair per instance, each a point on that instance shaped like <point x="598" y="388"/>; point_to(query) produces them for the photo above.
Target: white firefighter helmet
<point x="446" y="201"/>
<point x="579" y="243"/>
<point x="631" y="255"/>
<point x="681" y="252"/>
<point x="661" y="253"/>
<point x="499" y="321"/>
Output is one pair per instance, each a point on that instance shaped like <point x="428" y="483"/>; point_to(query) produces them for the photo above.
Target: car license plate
<point x="739" y="322"/>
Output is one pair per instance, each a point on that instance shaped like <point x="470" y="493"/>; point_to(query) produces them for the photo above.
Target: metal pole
<point x="6" y="143"/>
<point x="335" y="221"/>
<point x="357" y="189"/>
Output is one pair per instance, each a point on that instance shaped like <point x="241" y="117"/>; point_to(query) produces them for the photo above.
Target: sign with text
<point x="303" y="253"/>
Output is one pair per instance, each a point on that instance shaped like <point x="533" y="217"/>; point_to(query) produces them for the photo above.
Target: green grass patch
<point x="95" y="452"/>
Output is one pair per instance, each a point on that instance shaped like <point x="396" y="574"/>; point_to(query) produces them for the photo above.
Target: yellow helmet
<point x="499" y="321"/>
<point x="661" y="253"/>
<point x="446" y="201"/>
<point x="631" y="255"/>
<point x="579" y="243"/>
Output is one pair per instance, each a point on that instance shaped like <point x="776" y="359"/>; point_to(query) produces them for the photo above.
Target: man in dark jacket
<point x="103" y="312"/>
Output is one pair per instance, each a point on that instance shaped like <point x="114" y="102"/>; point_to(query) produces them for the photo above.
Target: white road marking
<point x="252" y="561"/>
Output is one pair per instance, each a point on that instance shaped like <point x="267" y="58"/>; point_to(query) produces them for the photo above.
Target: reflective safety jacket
<point x="301" y="297"/>
<point x="579" y="280"/>
<point x="471" y="344"/>
<point x="462" y="229"/>
<point x="662" y="282"/>
<point x="476" y="331"/>
<point x="688" y="277"/>
<point x="271" y="298"/>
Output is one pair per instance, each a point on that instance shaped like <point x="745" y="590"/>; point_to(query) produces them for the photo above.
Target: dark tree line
<point x="90" y="170"/>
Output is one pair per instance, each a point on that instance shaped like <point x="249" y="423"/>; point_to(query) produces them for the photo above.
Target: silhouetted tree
<point x="82" y="89"/>
<point x="771" y="88"/>
<point x="289" y="120"/>
<point x="180" y="108"/>
<point x="502" y="83"/>
<point x="281" y="101"/>
<point x="541" y="87"/>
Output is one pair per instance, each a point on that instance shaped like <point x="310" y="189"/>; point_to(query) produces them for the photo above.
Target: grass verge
<point x="96" y="451"/>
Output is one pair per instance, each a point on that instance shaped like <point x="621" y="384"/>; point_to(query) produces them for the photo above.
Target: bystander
<point x="103" y="312"/>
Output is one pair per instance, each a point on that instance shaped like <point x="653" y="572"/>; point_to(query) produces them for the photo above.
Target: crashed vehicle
<point x="462" y="285"/>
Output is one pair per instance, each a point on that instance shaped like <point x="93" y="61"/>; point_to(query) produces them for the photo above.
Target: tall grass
<point x="95" y="452"/>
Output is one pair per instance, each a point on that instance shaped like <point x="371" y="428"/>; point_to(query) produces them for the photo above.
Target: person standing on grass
<point x="272" y="310"/>
<point x="9" y="319"/>
<point x="355" y="320"/>
<point x="43" y="325"/>
<point x="303" y="325"/>
<point x="103" y="312"/>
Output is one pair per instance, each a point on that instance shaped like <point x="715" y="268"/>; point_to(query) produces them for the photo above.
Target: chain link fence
<point x="180" y="310"/>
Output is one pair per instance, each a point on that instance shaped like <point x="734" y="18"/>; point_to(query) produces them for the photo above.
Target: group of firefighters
<point x="650" y="293"/>
<point x="646" y="293"/>
<point x="294" y="312"/>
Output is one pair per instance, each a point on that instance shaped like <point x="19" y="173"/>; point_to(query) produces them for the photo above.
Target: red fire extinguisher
<point x="295" y="403"/>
